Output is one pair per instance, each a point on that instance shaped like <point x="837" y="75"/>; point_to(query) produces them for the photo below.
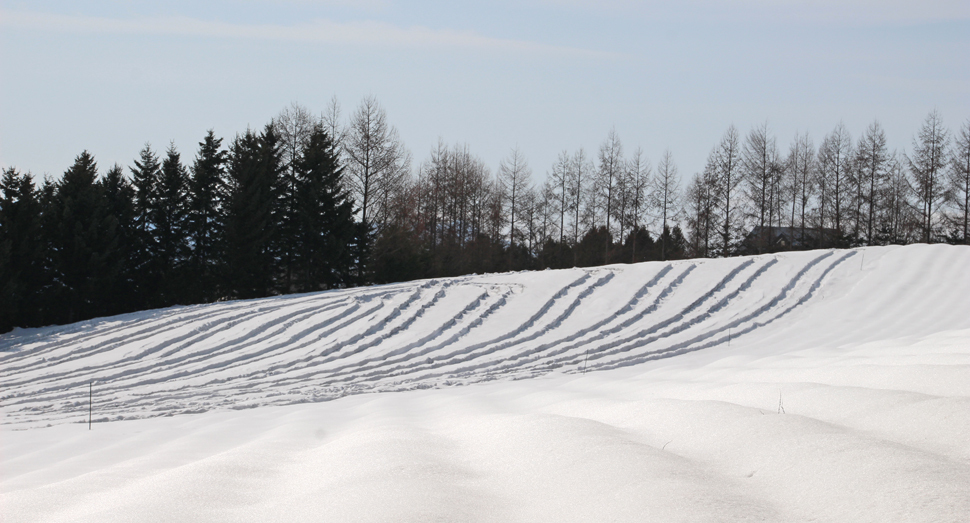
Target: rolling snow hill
<point x="821" y="385"/>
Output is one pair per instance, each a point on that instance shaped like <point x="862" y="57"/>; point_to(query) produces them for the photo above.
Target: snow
<point x="813" y="386"/>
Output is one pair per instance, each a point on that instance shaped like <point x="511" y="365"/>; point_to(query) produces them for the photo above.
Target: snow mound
<point x="821" y="385"/>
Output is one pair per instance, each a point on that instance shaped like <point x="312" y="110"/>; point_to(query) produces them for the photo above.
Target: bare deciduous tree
<point x="763" y="175"/>
<point x="376" y="160"/>
<point x="610" y="169"/>
<point x="960" y="181"/>
<point x="514" y="174"/>
<point x="926" y="165"/>
<point x="800" y="178"/>
<point x="664" y="195"/>
<point x="834" y="163"/>
<point x="724" y="172"/>
<point x="870" y="170"/>
<point x="637" y="185"/>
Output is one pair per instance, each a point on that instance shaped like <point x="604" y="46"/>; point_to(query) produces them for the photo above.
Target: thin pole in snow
<point x="729" y="337"/>
<point x="585" y="360"/>
<point x="90" y="402"/>
<point x="863" y="260"/>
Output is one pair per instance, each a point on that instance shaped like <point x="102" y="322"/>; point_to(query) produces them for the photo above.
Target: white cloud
<point x="858" y="12"/>
<point x="362" y="33"/>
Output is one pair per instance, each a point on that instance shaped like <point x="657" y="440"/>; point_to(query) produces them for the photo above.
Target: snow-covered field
<point x="813" y="386"/>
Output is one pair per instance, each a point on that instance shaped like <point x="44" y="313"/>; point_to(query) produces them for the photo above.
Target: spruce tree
<point x="326" y="227"/>
<point x="170" y="217"/>
<point x="145" y="176"/>
<point x="249" y="226"/>
<point x="22" y="275"/>
<point x="84" y="242"/>
<point x="119" y="197"/>
<point x="206" y="195"/>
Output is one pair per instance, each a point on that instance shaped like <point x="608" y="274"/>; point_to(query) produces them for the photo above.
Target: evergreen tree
<point x="326" y="227"/>
<point x="22" y="275"/>
<point x="145" y="176"/>
<point x="206" y="195"/>
<point x="249" y="226"/>
<point x="84" y="242"/>
<point x="170" y="216"/>
<point x="122" y="295"/>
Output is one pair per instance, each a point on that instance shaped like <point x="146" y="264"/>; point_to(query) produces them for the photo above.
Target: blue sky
<point x="543" y="75"/>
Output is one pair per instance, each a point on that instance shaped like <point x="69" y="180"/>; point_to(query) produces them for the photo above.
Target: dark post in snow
<point x="90" y="402"/>
<point x="585" y="360"/>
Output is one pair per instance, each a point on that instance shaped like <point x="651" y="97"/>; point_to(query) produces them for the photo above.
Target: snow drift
<point x="821" y="385"/>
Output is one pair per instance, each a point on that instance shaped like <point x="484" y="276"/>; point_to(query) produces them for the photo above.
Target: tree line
<point x="314" y="202"/>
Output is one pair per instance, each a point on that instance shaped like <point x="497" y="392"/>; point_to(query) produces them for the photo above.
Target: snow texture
<point x="810" y="386"/>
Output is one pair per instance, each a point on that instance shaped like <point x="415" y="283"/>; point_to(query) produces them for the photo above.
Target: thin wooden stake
<point x="90" y="402"/>
<point x="585" y="360"/>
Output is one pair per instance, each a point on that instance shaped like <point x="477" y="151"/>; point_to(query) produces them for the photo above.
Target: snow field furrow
<point x="241" y="350"/>
<point x="553" y="358"/>
<point x="733" y="328"/>
<point x="412" y="335"/>
<point x="194" y="337"/>
<point x="524" y="326"/>
<point x="131" y="368"/>
<point x="405" y="352"/>
<point x="426" y="352"/>
<point x="485" y="349"/>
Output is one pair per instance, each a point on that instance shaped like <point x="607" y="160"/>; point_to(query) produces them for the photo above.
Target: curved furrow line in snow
<point x="111" y="382"/>
<point x="540" y="363"/>
<point x="464" y="331"/>
<point x="115" y="381"/>
<point x="233" y="382"/>
<point x="689" y="345"/>
<point x="660" y="330"/>
<point x="500" y="303"/>
<point x="518" y="330"/>
<point x="403" y="353"/>
<point x="317" y="365"/>
<point x="495" y="366"/>
<point x="143" y="362"/>
<point x="542" y="357"/>
<point x="192" y="336"/>
<point x="487" y="348"/>
<point x="92" y="344"/>
<point x="141" y="327"/>
<point x="91" y="328"/>
<point x="556" y="358"/>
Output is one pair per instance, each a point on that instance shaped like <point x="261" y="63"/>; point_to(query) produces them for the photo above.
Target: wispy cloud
<point x="856" y="12"/>
<point x="360" y="33"/>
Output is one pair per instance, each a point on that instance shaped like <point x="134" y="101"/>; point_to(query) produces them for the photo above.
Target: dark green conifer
<point x="326" y="228"/>
<point x="22" y="274"/>
<point x="84" y="242"/>
<point x="249" y="226"/>
<point x="206" y="195"/>
<point x="170" y="217"/>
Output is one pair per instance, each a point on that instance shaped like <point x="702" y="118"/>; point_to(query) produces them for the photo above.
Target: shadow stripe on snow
<point x="686" y="346"/>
